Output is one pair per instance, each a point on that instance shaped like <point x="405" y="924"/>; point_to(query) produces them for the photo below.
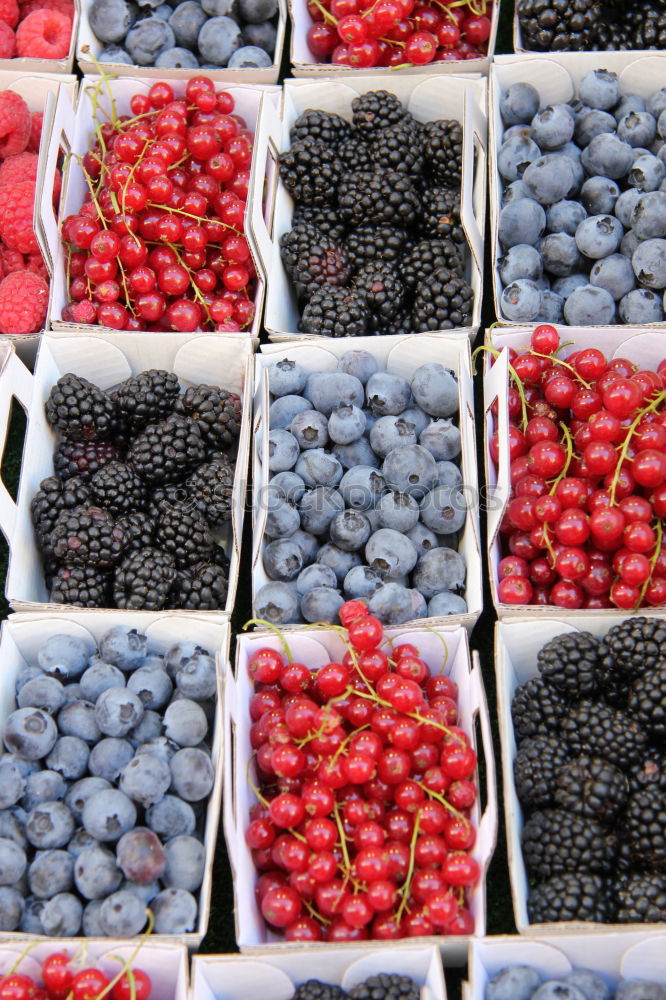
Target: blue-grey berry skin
<point x="30" y="733"/>
<point x="392" y="604"/>
<point x="218" y="39"/>
<point x="439" y="569"/>
<point x="124" y="647"/>
<point x="648" y="217"/>
<point x="109" y="756"/>
<point x="656" y="102"/>
<point x="283" y="451"/>
<point x="321" y="604"/>
<point x="590" y="984"/>
<point x="175" y="911"/>
<point x="435" y="390"/>
<point x="615" y="274"/>
<point x="607" y="155"/>
<point x="552" y="127"/>
<point x="171" y="817"/>
<point x="90" y="922"/>
<point x="361" y="582"/>
<point x="148" y="728"/>
<point x="11" y="827"/>
<point x="398" y="511"/>
<point x="61" y="916"/>
<point x="338" y="559"/>
<point x="515" y="191"/>
<point x="145" y="779"/>
<point x="192" y="774"/>
<point x="598" y="195"/>
<point x="422" y="538"/>
<point x="444" y="510"/>
<point x="282" y="559"/>
<point x="517" y="131"/>
<point x="557" y="989"/>
<point x="77" y="718"/>
<point x="13" y="861"/>
<point x="255" y="11"/>
<point x="361" y="487"/>
<point x="625" y="205"/>
<point x="349" y="530"/>
<point x="152" y="685"/>
<point x="185" y="863"/>
<point x="108" y="814"/>
<point x="647" y="173"/>
<point x="146" y="39"/>
<point x="641" y="306"/>
<point x="51" y="872"/>
<point x="416" y="416"/>
<point x="628" y="104"/>
<point x="442" y="439"/>
<point x="445" y="603"/>
<point x="282" y="519"/>
<point x="98" y="678"/>
<point x="250" y="57"/>
<point x="519" y="103"/>
<point x="161" y="746"/>
<point x="12" y="782"/>
<point x="598" y="236"/>
<point x="387" y="394"/>
<point x="516" y="982"/>
<point x="12" y="906"/>
<point x="600" y="89"/>
<point x="217" y="8"/>
<point x="122" y="914"/>
<point x="638" y="128"/>
<point x="31" y="921"/>
<point x="185" y="723"/>
<point x="146" y="891"/>
<point x="186" y="21"/>
<point x="310" y="429"/>
<point x="520" y="261"/>
<point x="79" y="793"/>
<point x="118" y="710"/>
<point x="560" y="254"/>
<point x="69" y="757"/>
<point x="290" y="486"/>
<point x="197" y="679"/>
<point x="521" y="300"/>
<point x="286" y="378"/>
<point x="565" y="286"/>
<point x="308" y="545"/>
<point x="549" y="179"/>
<point x="630" y="243"/>
<point x="42" y="786"/>
<point x="64" y="657"/>
<point x="50" y="825"/>
<point x="410" y="469"/>
<point x="346" y="424"/>
<point x="521" y="221"/>
<point x="80" y="841"/>
<point x="283" y="410"/>
<point x="391" y="432"/>
<point x="27" y="674"/>
<point x="110" y="20"/>
<point x="316" y="575"/>
<point x="115" y="54"/>
<point x="42" y="692"/>
<point x="390" y="553"/>
<point x="318" y="508"/>
<point x="641" y="989"/>
<point x="563" y="217"/>
<point x="359" y="363"/>
<point x="357" y="453"/>
<point x="649" y="263"/>
<point x="514" y="155"/>
<point x="589" y="306"/>
<point x="277" y="603"/>
<point x="96" y="874"/>
<point x="592" y="123"/>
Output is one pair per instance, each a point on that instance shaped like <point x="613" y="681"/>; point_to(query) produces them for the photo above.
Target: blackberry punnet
<point x="555" y="841"/>
<point x="423" y="258"/>
<point x="83" y="586"/>
<point x="310" y="171"/>
<point x="537" y="709"/>
<point x="593" y="788"/>
<point x="216" y="413"/>
<point x="54" y="496"/>
<point x="644" y="829"/>
<point x="146" y="398"/>
<point x="572" y="896"/>
<point x="79" y="410"/>
<point x="602" y="731"/>
<point x="314" y="989"/>
<point x="202" y="587"/>
<point x="569" y="663"/>
<point x="445" y="302"/>
<point x="335" y="312"/>
<point x="142" y="582"/>
<point x="165" y="452"/>
<point x="83" y="458"/>
<point x="379" y="283"/>
<point x="87" y="536"/>
<point x="118" y="488"/>
<point x="535" y="770"/>
<point x="443" y="142"/>
<point x="183" y="532"/>
<point x="641" y="898"/>
<point x="399" y="147"/>
<point x="379" y="196"/>
<point x="556" y="25"/>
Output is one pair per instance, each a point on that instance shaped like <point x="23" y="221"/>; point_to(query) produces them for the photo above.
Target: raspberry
<point x="16" y="208"/>
<point x="23" y="300"/>
<point x="7" y="41"/>
<point x="9" y="12"/>
<point x="34" y="262"/>
<point x="22" y="167"/>
<point x="36" y="120"/>
<point x="44" y="34"/>
<point x="11" y="260"/>
<point x="14" y="124"/>
<point x="65" y="7"/>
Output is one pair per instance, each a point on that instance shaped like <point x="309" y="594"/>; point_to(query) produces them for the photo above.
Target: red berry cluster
<point x="363" y="33"/>
<point x="587" y="440"/>
<point x="159" y="242"/>
<point x="62" y="981"/>
<point x="362" y="828"/>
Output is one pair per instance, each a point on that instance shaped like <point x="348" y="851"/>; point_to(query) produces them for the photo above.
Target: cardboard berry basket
<point x="556" y="76"/>
<point x="89" y="47"/>
<point x="401" y="355"/>
<point x="316" y="647"/>
<point x="645" y="346"/>
<point x="23" y="634"/>
<point x="106" y="359"/>
<point x="428" y="98"/>
<point x="277" y="973"/>
<point x="72" y="130"/>
<point x="39" y="66"/>
<point x="517" y="643"/>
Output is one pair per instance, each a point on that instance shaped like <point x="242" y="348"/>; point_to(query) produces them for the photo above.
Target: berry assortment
<point x="376" y="244"/>
<point x="385" y="986"/>
<point x="581" y="227"/>
<point x="365" y="780"/>
<point x="136" y="513"/>
<point x="588" y="25"/>
<point x="584" y="525"/>
<point x="365" y="496"/>
<point x="582" y="984"/>
<point x="105" y="772"/>
<point x="158" y="243"/>
<point x="63" y="976"/>
<point x="36" y="29"/>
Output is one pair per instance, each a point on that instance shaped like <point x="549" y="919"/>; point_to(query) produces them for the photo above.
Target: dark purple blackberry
<point x="54" y="496"/>
<point x="83" y="458"/>
<point x="442" y="148"/>
<point x="593" y="788"/>
<point x="557" y="25"/>
<point x="381" y="196"/>
<point x="87" y="536"/>
<point x="118" y="488"/>
<point x="647" y="702"/>
<point x="376" y="110"/>
<point x="574" y="896"/>
<point x="324" y="262"/>
<point x="643" y="829"/>
<point x="641" y="899"/>
<point x="203" y="587"/>
<point x="629" y="649"/>
<point x="400" y="325"/>
<point x="535" y="769"/>
<point x="310" y="171"/>
<point x="181" y="531"/>
<point x="335" y="312"/>
<point x="643" y="26"/>
<point x="325" y="219"/>
<point x="569" y="663"/>
<point x="82" y="586"/>
<point x="166" y="452"/>
<point x="296" y="243"/>
<point x="355" y="154"/>
<point x="216" y="412"/>
<point x="425" y="257"/>
<point x="440" y="214"/>
<point x="146" y="398"/>
<point x="324" y="126"/>
<point x="79" y="410"/>
<point x="210" y="488"/>
<point x="386" y="986"/>
<point x="537" y="709"/>
<point x="555" y="842"/>
<point x="220" y="558"/>
<point x="313" y="989"/>
<point x="400" y="147"/>
<point x="167" y="495"/>
<point x="367" y="243"/>
<point x="380" y="285"/>
<point x="600" y="731"/>
<point x="443" y="303"/>
<point x="650" y="772"/>
<point x="138" y="528"/>
<point x="143" y="580"/>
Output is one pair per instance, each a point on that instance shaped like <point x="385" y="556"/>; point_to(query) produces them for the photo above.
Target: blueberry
<point x="90" y="922"/>
<point x="282" y="559"/>
<point x="11" y="908"/>
<point x="359" y="363"/>
<point x="656" y="102"/>
<point x="148" y="728"/>
<point x="185" y="863"/>
<point x="592" y="123"/>
<point x="98" y="678"/>
<point x="263" y="35"/>
<point x="171" y="817"/>
<point x="361" y="582"/>
<point x="321" y="604"/>
<point x="552" y="308"/>
<point x="560" y="254"/>
<point x="410" y="469"/>
<point x="141" y="855"/>
<point x="250" y="57"/>
<point x="591" y="985"/>
<point x="197" y="679"/>
<point x="318" y="508"/>
<point x="13" y="861"/>
<point x="607" y="155"/>
<point x="647" y="172"/>
<point x="398" y="511"/>
<point x="641" y="306"/>
<point x="27" y="674"/>
<point x="514" y="155"/>
<point x="255" y="11"/>
<point x="361" y="487"/>
<point x="50" y="873"/>
<point x="625" y="205"/>
<point x="552" y="127"/>
<point x="422" y="538"/>
<point x="521" y="301"/>
<point x="277" y="603"/>
<point x="598" y="236"/>
<point x="521" y="221"/>
<point x="146" y="891"/>
<point x="357" y="453"/>
<point x="446" y="603"/>
<point x="390" y="553"/>
<point x="69" y="757"/>
<point x="517" y="982"/>
<point x="151" y="685"/>
<point x="515" y="131"/>
<point x="108" y="814"/>
<point x="185" y="723"/>
<point x="108" y="758"/>
<point x="186" y="21"/>
<point x="283" y="450"/>
<point x="391" y="603"/>
<point x="316" y="575"/>
<point x="192" y="774"/>
<point x="548" y="179"/>
<point x="600" y="89"/>
<point x="310" y="428"/>
<point x="615" y="274"/>
<point x="435" y="390"/>
<point x="599" y="194"/>
<point x="282" y="519"/>
<point x="521" y="261"/>
<point x="176" y="58"/>
<point x="147" y="777"/>
<point x="317" y="467"/>
<point x="118" y="710"/>
<point x="11" y="826"/>
<point x="96" y="873"/>
<point x="122" y="914"/>
<point x="515" y="191"/>
<point x="442" y="439"/>
<point x="565" y="286"/>
<point x="648" y="217"/>
<point x="290" y="485"/>
<point x="161" y="746"/>
<point x="641" y="989"/>
<point x="31" y="920"/>
<point x="30" y="733"/>
<point x="628" y="104"/>
<point x="42" y="692"/>
<point x="349" y="530"/>
<point x="12" y="782"/>
<point x="61" y="915"/>
<point x="175" y="911"/>
<point x="110" y="20"/>
<point x="79" y="842"/>
<point x="563" y="217"/>
<point x="337" y="559"/>
<point x="519" y="103"/>
<point x="630" y="243"/>
<point x="283" y="410"/>
<point x="346" y="424"/>
<point x="391" y="432"/>
<point x="387" y="394"/>
<point x="649" y="263"/>
<point x="439" y="569"/>
<point x="638" y="128"/>
<point x="146" y="39"/>
<point x="286" y="378"/>
<point x="589" y="306"/>
<point x="556" y="989"/>
<point x="124" y="647"/>
<point x="416" y="416"/>
<point x="217" y="8"/>
<point x="308" y="545"/>
<point x="64" y="657"/>
<point x="114" y="54"/>
<point x="80" y="792"/>
<point x="444" y="510"/>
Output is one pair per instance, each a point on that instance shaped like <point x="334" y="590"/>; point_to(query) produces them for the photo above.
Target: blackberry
<point x="593" y="788"/>
<point x="82" y="586"/>
<point x="215" y="411"/>
<point x="165" y="452"/>
<point x="355" y="154"/>
<point x="443" y="303"/>
<point x="310" y="171"/>
<point x="560" y="24"/>
<point x="647" y="702"/>
<point x="381" y="196"/>
<point x="167" y="495"/>
<point x="313" y="989"/>
<point x="335" y="312"/>
<point x="569" y="663"/>
<point x="601" y="731"/>
<point x="54" y="496"/>
<point x="138" y="528"/>
<point x="443" y="145"/>
<point x="80" y="410"/>
<point x="210" y="488"/>
<point x="296" y="244"/>
<point x="649" y="772"/>
<point x="386" y="986"/>
<point x="143" y="580"/>
<point x="535" y="769"/>
<point x="146" y="398"/>
<point x="220" y="558"/>
<point x="400" y="325"/>
<point x="376" y="110"/>
<point x="368" y="243"/>
<point x="184" y="533"/>
<point x="83" y="458"/>
<point x="203" y="587"/>
<point x="399" y="147"/>
<point x="555" y="842"/>
<point x="118" y="488"/>
<point x="323" y="263"/>
<point x="440" y="214"/>
<point x="574" y="896"/>
<point x="644" y="27"/>
<point x="644" y="829"/>
<point x="537" y="709"/>
<point x="380" y="285"/>
<point x="325" y="219"/>
<point x="324" y="126"/>
<point x="631" y="648"/>
<point x="425" y="257"/>
<point x="87" y="536"/>
<point x="641" y="899"/>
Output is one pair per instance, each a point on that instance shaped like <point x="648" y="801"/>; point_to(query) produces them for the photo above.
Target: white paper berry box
<point x="106" y="359"/>
<point x="72" y="131"/>
<point x="645" y="346"/>
<point x="88" y="49"/>
<point x="26" y="64"/>
<point x="517" y="643"/>
<point x="428" y="98"/>
<point x="315" y="647"/>
<point x="556" y="76"/>
<point x="23" y="634"/>
<point x="402" y="356"/>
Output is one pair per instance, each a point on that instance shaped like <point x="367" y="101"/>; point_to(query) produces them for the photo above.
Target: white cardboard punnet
<point x="23" y="634"/>
<point x="402" y="356"/>
<point x="315" y="647"/>
<point x="106" y="359"/>
<point x="643" y="345"/>
<point x="39" y="66"/>
<point x="428" y="98"/>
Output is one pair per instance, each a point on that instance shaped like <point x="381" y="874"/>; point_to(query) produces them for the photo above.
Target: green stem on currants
<point x="559" y="362"/>
<point x="407" y="884"/>
<point x="328" y="17"/>
<point x="266" y="624"/>
<point x="653" y="559"/>
<point x="570" y="452"/>
<point x="26" y="951"/>
<point x="127" y="964"/>
<point x="656" y="402"/>
<point x="513" y="374"/>
<point x="260" y="798"/>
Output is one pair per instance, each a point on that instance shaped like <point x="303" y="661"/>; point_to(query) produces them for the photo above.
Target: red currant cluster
<point x="159" y="242"/>
<point x="587" y="443"/>
<point x="62" y="981"/>
<point x="362" y="828"/>
<point x="363" y="33"/>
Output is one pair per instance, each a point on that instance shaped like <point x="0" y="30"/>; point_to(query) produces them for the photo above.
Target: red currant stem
<point x="266" y="624"/>
<point x="569" y="443"/>
<point x="373" y="697"/>
<point x="190" y="215"/>
<point x="261" y="798"/>
<point x="314" y="912"/>
<point x="127" y="964"/>
<point x="656" y="402"/>
<point x="28" y="948"/>
<point x="565" y="343"/>
<point x="342" y="632"/>
<point x="512" y="373"/>
<point x="104" y="79"/>
<point x="317" y="732"/>
<point x="405" y="889"/>
<point x="406" y="65"/>
<point x="441" y="799"/>
<point x="446" y="8"/>
<point x="441" y="638"/>
<point x="197" y="291"/>
<point x="346" y="867"/>
<point x="345" y="742"/>
<point x="125" y="288"/>
<point x="437" y="725"/>
<point x="460" y="895"/>
<point x="653" y="560"/>
<point x="563" y="364"/>
<point x="479" y="11"/>
<point x="549" y="544"/>
<point x="326" y="13"/>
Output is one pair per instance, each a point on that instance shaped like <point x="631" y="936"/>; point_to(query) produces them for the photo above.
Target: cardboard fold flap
<point x="15" y="383"/>
<point x="495" y="382"/>
<point x="266" y="143"/>
<point x="646" y="960"/>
